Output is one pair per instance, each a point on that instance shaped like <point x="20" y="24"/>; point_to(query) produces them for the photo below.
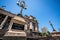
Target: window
<point x="2" y="17"/>
<point x="17" y="26"/>
<point x="7" y="23"/>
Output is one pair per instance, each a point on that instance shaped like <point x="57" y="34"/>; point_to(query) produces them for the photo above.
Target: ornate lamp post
<point x="22" y="5"/>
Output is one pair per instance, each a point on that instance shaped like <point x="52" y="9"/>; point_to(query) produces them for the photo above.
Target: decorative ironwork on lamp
<point x="22" y="5"/>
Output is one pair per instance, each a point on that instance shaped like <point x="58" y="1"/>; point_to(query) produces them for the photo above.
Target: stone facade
<point x="13" y="27"/>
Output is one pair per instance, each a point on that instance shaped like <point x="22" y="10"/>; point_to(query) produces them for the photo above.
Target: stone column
<point x="25" y="28"/>
<point x="31" y="26"/>
<point x="3" y="22"/>
<point x="36" y="27"/>
<point x="10" y="26"/>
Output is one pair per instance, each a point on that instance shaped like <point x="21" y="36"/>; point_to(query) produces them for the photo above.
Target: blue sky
<point x="43" y="10"/>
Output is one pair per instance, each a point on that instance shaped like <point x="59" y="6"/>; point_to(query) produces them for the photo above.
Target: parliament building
<point x="18" y="27"/>
<point x="13" y="27"/>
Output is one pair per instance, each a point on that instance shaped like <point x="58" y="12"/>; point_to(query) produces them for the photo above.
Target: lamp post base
<point x="19" y="15"/>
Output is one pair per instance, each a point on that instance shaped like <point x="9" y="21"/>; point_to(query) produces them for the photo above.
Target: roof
<point x="7" y="12"/>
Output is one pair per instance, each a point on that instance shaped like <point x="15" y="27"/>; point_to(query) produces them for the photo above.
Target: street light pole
<point x="52" y="26"/>
<point x="22" y="5"/>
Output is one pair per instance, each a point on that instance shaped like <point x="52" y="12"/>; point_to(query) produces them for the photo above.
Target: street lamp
<point x="52" y="26"/>
<point x="22" y="5"/>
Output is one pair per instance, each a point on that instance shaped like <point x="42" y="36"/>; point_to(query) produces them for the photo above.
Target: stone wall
<point x="14" y="38"/>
